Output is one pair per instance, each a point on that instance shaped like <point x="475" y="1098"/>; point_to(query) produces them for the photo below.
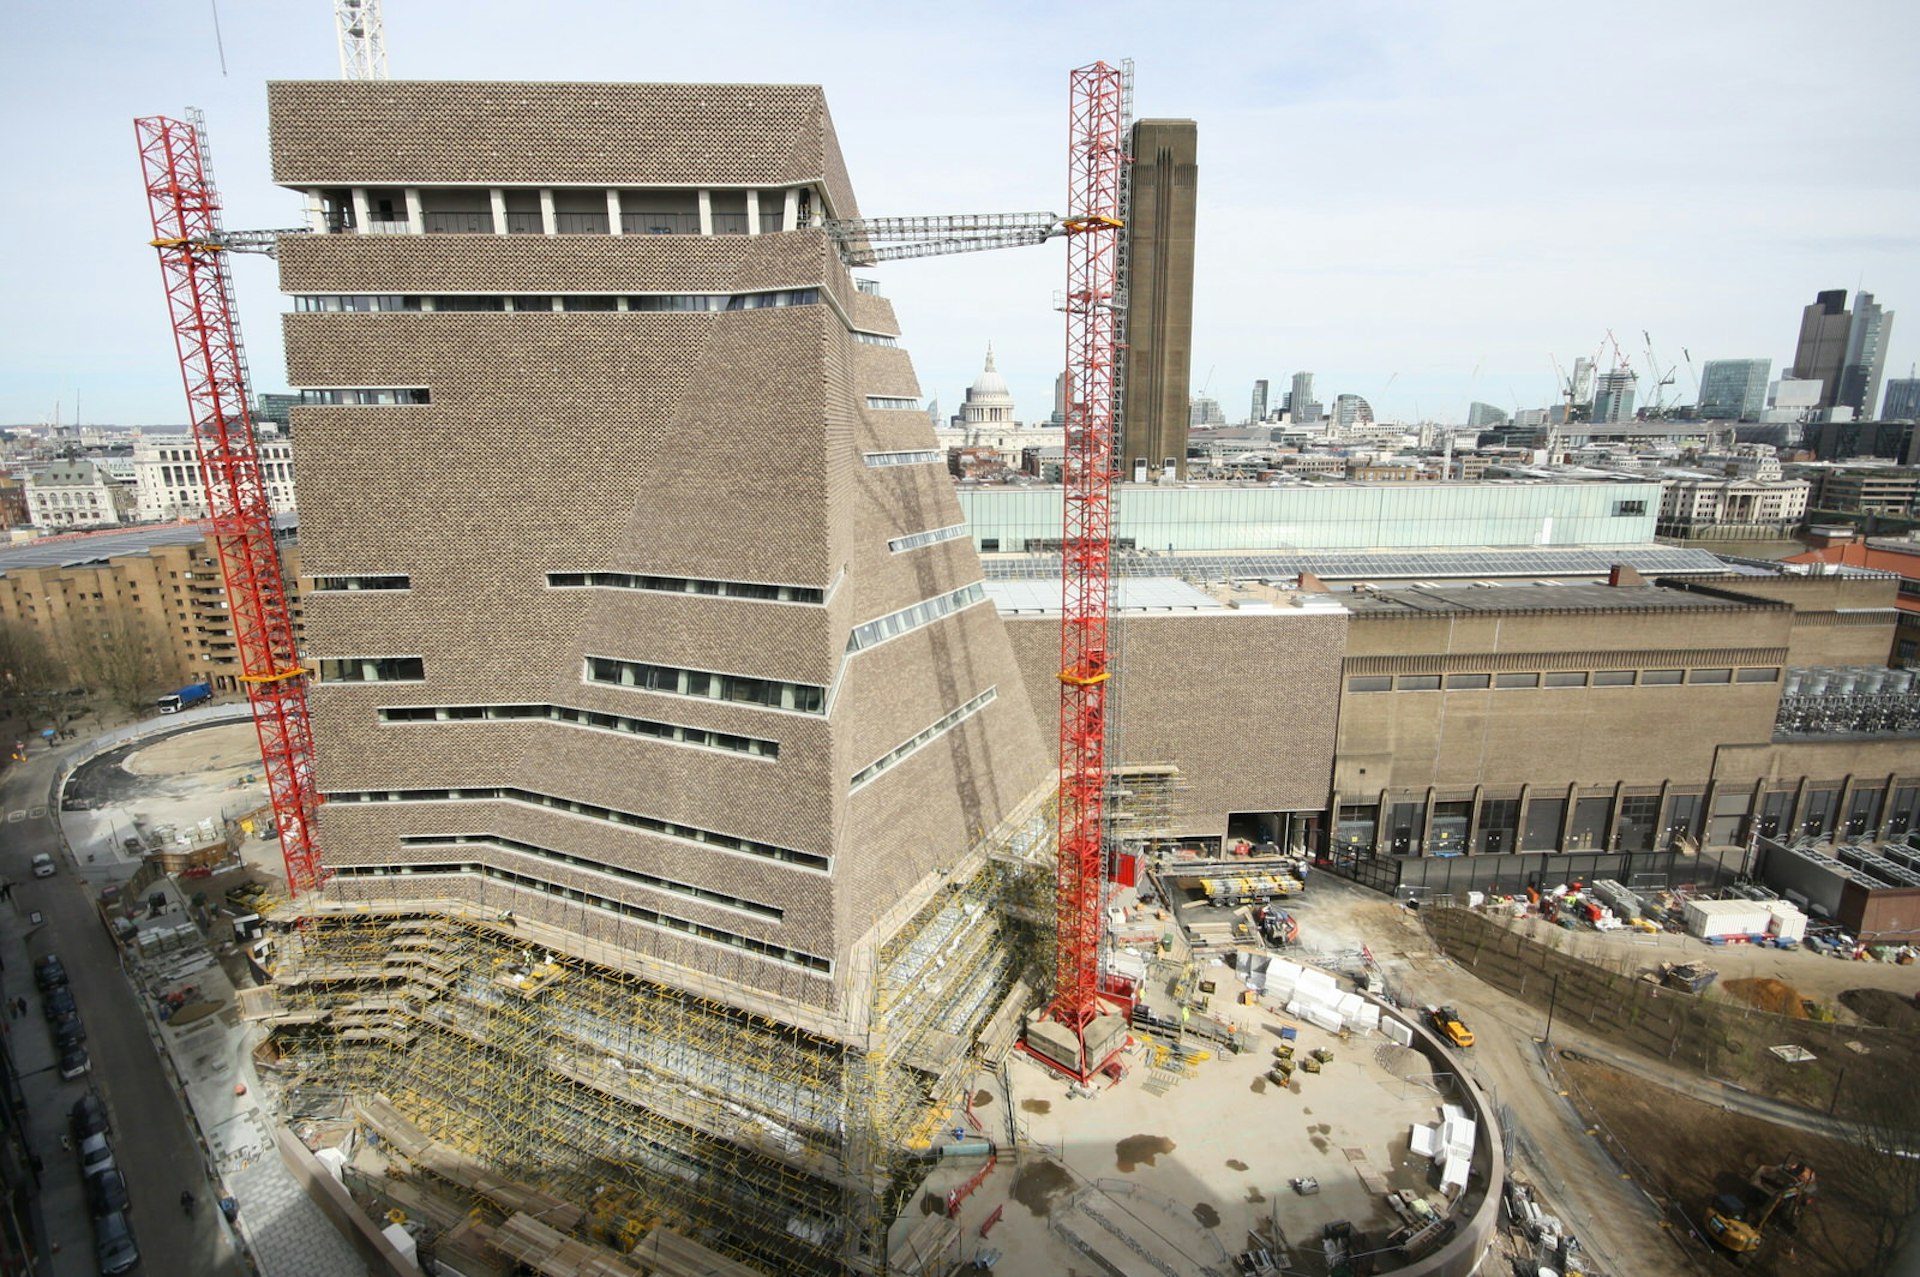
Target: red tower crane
<point x="185" y="209"/>
<point x="1097" y="172"/>
<point x="1096" y="186"/>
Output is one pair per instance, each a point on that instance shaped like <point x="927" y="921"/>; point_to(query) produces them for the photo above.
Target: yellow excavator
<point x="1738" y="1224"/>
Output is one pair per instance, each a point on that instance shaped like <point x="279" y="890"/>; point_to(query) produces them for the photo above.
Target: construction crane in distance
<point x="363" y="39"/>
<point x="1662" y="378"/>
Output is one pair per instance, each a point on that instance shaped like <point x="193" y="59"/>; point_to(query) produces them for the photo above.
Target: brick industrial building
<point x="660" y="797"/>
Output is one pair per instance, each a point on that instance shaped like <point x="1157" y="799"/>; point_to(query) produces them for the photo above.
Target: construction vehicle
<point x="1447" y="1023"/>
<point x="1690" y="977"/>
<point x="1778" y="1193"/>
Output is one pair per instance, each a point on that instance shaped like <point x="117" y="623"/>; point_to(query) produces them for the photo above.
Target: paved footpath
<point x="281" y="1231"/>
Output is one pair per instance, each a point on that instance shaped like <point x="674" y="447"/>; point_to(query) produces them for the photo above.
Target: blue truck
<point x="190" y="695"/>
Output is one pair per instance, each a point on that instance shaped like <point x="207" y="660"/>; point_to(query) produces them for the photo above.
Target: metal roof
<point x="91" y="549"/>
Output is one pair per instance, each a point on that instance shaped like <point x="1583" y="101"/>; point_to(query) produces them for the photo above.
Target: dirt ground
<point x="1879" y="1006"/>
<point x="1665" y="1135"/>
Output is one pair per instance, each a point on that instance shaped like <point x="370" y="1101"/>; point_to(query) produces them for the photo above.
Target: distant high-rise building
<point x="1734" y="389"/>
<point x="1205" y="411"/>
<point x="1350" y="411"/>
<point x="1867" y="334"/>
<point x="1821" y="353"/>
<point x="1613" y="400"/>
<point x="1582" y="382"/>
<point x="1166" y="170"/>
<point x="1259" y="409"/>
<point x="1903" y="400"/>
<point x="1301" y="402"/>
<point x="1480" y="415"/>
<point x="275" y="408"/>
<point x="1059" y="417"/>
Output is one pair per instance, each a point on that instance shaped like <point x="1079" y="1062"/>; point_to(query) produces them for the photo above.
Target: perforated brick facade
<point x="712" y="446"/>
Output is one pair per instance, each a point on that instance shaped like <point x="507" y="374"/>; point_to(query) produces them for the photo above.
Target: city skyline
<point x="1452" y="261"/>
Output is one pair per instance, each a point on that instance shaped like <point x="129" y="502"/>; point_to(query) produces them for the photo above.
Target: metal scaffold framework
<point x="1096" y="187"/>
<point x="185" y="210"/>
<point x="533" y="1073"/>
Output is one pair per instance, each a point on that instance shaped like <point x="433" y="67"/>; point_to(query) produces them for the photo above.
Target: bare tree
<point x="120" y="654"/>
<point x="1880" y="1160"/>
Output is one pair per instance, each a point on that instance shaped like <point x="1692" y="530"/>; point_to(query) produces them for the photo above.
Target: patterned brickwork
<point x="709" y="445"/>
<point x="1212" y="693"/>
<point x="398" y="132"/>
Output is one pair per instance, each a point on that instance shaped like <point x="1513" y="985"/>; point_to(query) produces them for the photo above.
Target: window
<point x="362" y="303"/>
<point x="621" y="908"/>
<point x="678" y="733"/>
<point x="1625" y="509"/>
<point x="1467" y="682"/>
<point x="1710" y="676"/>
<point x="654" y="881"/>
<point x="1419" y="683"/>
<point x="1758" y="675"/>
<point x="739" y="689"/>
<point x="918" y="540"/>
<point x="880" y="460"/>
<point x="1613" y="678"/>
<point x="900" y="753"/>
<point x="373" y="669"/>
<point x="875" y="339"/>
<point x="893" y="402"/>
<point x="590" y="811"/>
<point x="589" y="302"/>
<point x="380" y="396"/>
<point x="1566" y="678"/>
<point x="1370" y="683"/>
<point x="385" y="581"/>
<point x="1516" y="680"/>
<point x="909" y="619"/>
<point x="688" y="585"/>
<point x="1660" y="678"/>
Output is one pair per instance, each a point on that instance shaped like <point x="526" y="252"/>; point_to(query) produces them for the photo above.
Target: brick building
<point x="167" y="576"/>
<point x="730" y="745"/>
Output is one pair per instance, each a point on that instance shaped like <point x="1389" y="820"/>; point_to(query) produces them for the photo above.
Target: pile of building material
<point x="1626" y="905"/>
<point x="1307" y="993"/>
<point x="1449" y="1143"/>
<point x="1727" y="921"/>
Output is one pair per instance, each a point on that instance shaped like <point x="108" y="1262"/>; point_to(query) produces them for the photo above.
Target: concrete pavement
<point x="146" y="1073"/>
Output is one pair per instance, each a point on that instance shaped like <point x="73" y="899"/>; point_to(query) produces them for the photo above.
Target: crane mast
<point x="185" y="211"/>
<point x="1094" y="226"/>
<point x="363" y="39"/>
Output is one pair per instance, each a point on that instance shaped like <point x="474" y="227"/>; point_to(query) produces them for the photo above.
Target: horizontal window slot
<point x="652" y="881"/>
<point x="734" y="689"/>
<point x="908" y="619"/>
<point x="925" y="457"/>
<point x="757" y="590"/>
<point x="373" y="669"/>
<point x="591" y="811"/>
<point x="919" y="540"/>
<point x="364" y="396"/>
<point x="637" y="913"/>
<point x="893" y="403"/>
<point x="674" y="733"/>
<point x="900" y="753"/>
<point x="329" y="584"/>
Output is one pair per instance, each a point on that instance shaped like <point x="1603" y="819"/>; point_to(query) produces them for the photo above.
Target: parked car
<point x="89" y="1116"/>
<point x="96" y="1154"/>
<point x="75" y="1062"/>
<point x="59" y="1004"/>
<point x="113" y="1244"/>
<point x="48" y="973"/>
<point x="69" y="1032"/>
<point x="107" y="1191"/>
<point x="43" y="866"/>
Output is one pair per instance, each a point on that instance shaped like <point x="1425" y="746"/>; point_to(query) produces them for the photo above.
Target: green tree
<point x="30" y="673"/>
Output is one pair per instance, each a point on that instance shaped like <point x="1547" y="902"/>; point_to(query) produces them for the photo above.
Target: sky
<point x="1421" y="203"/>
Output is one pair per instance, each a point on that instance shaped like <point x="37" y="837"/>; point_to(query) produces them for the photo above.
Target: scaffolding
<point x="523" y="1076"/>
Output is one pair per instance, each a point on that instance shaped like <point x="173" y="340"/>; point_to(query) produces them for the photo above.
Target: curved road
<point x="153" y="1142"/>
